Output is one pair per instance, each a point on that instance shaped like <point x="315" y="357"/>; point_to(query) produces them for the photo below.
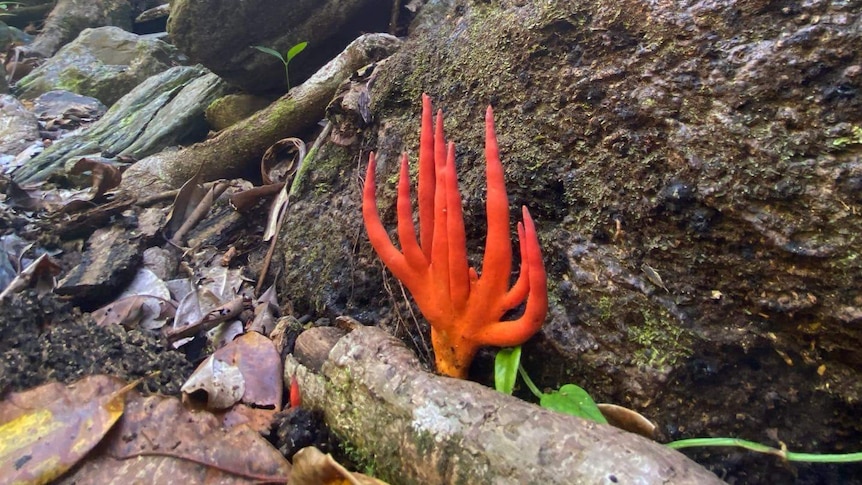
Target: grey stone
<point x="71" y="17"/>
<point x="18" y="127"/>
<point x="105" y="63"/>
<point x="158" y="113"/>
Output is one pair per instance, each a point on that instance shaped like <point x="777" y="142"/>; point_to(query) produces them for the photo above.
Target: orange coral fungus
<point x="464" y="309"/>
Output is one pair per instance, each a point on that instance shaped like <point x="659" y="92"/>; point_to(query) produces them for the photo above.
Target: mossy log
<point x="227" y="154"/>
<point x="411" y="426"/>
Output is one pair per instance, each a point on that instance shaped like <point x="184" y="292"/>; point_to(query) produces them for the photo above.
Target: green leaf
<point x="295" y="50"/>
<point x="506" y="369"/>
<point x="269" y="51"/>
<point x="571" y="399"/>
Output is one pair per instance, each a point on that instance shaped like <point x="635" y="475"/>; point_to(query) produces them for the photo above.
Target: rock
<point x="67" y="110"/>
<point x="108" y="264"/>
<point x="161" y="111"/>
<point x="9" y="35"/>
<point x="219" y="35"/>
<point x="153" y="20"/>
<point x="71" y="17"/>
<point x="18" y="127"/>
<point x="105" y="63"/>
<point x="713" y="149"/>
<point x="229" y="109"/>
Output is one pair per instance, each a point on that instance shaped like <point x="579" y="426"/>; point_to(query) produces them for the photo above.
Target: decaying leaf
<point x="224" y="313"/>
<point x="159" y="439"/>
<point x="47" y="430"/>
<point x="221" y="383"/>
<point x="627" y="419"/>
<point x="248" y="369"/>
<point x="312" y="467"/>
<point x="188" y="198"/>
<point x="40" y="274"/>
<point x="246" y="199"/>
<point x="104" y="176"/>
<point x="280" y="160"/>
<point x="137" y="311"/>
<point x="265" y="312"/>
<point x="157" y="305"/>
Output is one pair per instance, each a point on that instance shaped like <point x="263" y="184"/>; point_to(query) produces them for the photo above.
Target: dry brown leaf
<point x="246" y="199"/>
<point x="280" y="160"/>
<point x="188" y="198"/>
<point x="627" y="419"/>
<point x="104" y="176"/>
<point x="47" y="430"/>
<point x="171" y="444"/>
<point x="221" y="383"/>
<point x="259" y="366"/>
<point x="125" y="311"/>
<point x="312" y="467"/>
<point x="40" y="274"/>
<point x="265" y="312"/>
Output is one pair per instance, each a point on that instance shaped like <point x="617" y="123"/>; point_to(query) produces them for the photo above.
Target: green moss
<point x="663" y="341"/>
<point x="364" y="462"/>
<point x="855" y="138"/>
<point x="606" y="307"/>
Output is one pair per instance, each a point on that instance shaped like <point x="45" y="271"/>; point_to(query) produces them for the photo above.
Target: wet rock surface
<point x="105" y="63"/>
<point x="691" y="170"/>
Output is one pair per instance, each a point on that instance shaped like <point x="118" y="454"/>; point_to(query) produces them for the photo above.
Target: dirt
<point x="45" y="339"/>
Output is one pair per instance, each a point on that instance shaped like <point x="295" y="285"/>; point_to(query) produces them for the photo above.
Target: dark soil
<point x="46" y="340"/>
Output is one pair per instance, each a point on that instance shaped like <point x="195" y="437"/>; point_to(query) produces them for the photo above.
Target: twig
<point x="199" y="213"/>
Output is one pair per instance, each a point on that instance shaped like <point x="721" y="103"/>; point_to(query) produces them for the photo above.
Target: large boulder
<point x="18" y="127"/>
<point x="105" y="63"/>
<point x="70" y="17"/>
<point x="694" y="170"/>
<point x="220" y="35"/>
<point x="160" y="112"/>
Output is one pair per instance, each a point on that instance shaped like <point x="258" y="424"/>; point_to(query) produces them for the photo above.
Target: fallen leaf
<point x="47" y="430"/>
<point x="187" y="199"/>
<point x="40" y="274"/>
<point x="221" y="383"/>
<point x="312" y="467"/>
<point x="104" y="176"/>
<point x="158" y="306"/>
<point x="246" y="199"/>
<point x="248" y="369"/>
<point x="159" y="439"/>
<point x="279" y="162"/>
<point x="265" y="312"/>
<point x="627" y="419"/>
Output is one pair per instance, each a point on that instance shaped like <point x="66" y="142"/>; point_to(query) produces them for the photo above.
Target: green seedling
<point x="286" y="58"/>
<point x="5" y="7"/>
<point x="569" y="399"/>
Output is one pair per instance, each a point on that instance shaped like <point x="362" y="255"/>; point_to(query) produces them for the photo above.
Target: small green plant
<point x="5" y="8"/>
<point x="286" y="58"/>
<point x="854" y="139"/>
<point x="569" y="399"/>
<point x="760" y="448"/>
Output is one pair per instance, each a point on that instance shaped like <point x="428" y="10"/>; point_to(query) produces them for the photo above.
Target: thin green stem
<point x="761" y="448"/>
<point x="535" y="390"/>
<point x="286" y="73"/>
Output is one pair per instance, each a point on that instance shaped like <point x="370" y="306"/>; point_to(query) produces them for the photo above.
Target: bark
<point x="416" y="427"/>
<point x="227" y="154"/>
